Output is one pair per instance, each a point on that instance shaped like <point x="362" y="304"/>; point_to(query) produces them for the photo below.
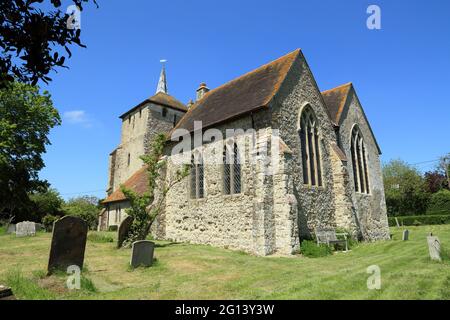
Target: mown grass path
<point x="185" y="271"/>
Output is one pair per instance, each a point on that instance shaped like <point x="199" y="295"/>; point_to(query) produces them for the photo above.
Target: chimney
<point x="201" y="91"/>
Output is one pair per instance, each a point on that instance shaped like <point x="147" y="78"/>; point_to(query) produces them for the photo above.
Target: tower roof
<point x="162" y="83"/>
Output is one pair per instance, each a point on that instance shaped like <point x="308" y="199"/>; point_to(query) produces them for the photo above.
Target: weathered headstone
<point x="25" y="229"/>
<point x="405" y="235"/>
<point x="68" y="243"/>
<point x="434" y="247"/>
<point x="11" y="229"/>
<point x="123" y="230"/>
<point x="142" y="253"/>
<point x="396" y="221"/>
<point x="6" y="293"/>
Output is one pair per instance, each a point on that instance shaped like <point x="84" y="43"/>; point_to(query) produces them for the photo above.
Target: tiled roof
<point x="138" y="182"/>
<point x="242" y="95"/>
<point x="335" y="100"/>
<point x="160" y="98"/>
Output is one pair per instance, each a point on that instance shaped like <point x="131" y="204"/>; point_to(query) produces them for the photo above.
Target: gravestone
<point x="68" y="243"/>
<point x="396" y="221"/>
<point x="25" y="229"/>
<point x="11" y="229"/>
<point x="434" y="247"/>
<point x="6" y="293"/>
<point x="405" y="235"/>
<point x="142" y="253"/>
<point x="123" y="230"/>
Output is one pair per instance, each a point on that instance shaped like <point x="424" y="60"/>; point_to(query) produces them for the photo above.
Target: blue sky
<point x="401" y="72"/>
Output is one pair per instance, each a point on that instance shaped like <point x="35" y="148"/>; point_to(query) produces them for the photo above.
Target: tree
<point x="444" y="167"/>
<point x="44" y="203"/>
<point x="84" y="207"/>
<point x="146" y="207"/>
<point x="26" y="117"/>
<point x="405" y="189"/>
<point x="435" y="181"/>
<point x="31" y="41"/>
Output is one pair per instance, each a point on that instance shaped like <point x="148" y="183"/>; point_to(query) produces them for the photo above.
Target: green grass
<point x="185" y="271"/>
<point x="100" y="237"/>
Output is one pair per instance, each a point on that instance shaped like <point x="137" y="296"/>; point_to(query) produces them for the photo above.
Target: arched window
<point x="310" y="148"/>
<point x="231" y="169"/>
<point x="359" y="162"/>
<point x="164" y="112"/>
<point x="129" y="159"/>
<point x="197" y="177"/>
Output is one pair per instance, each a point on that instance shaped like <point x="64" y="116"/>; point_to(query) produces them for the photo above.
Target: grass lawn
<point x="185" y="271"/>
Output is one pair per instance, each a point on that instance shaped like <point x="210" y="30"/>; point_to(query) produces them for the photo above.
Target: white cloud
<point x="77" y="117"/>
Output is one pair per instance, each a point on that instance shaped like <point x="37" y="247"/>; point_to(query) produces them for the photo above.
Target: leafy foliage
<point x="26" y="117"/>
<point x="144" y="208"/>
<point x="310" y="249"/>
<point x="44" y="203"/>
<point x="439" y="203"/>
<point x="405" y="189"/>
<point x="84" y="207"/>
<point x="48" y="221"/>
<point x="435" y="181"/>
<point x="31" y="40"/>
<point x="420" y="220"/>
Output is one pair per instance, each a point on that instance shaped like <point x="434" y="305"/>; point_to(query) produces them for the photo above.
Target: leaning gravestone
<point x="142" y="253"/>
<point x="68" y="243"/>
<point x="25" y="229"/>
<point x="397" y="223"/>
<point x="405" y="235"/>
<point x="434" y="246"/>
<point x="123" y="230"/>
<point x="11" y="229"/>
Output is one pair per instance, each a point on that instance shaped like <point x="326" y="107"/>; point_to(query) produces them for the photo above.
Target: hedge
<point x="420" y="220"/>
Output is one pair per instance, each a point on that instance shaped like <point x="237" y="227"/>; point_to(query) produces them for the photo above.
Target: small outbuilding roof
<point x="138" y="182"/>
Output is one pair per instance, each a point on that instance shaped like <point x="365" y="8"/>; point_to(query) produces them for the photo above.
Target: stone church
<point x="323" y="171"/>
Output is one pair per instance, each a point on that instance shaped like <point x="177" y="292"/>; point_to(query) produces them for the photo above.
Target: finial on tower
<point x="162" y="83"/>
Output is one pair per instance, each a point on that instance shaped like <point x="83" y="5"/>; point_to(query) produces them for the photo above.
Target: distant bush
<point x="310" y="249"/>
<point x="100" y="237"/>
<point x="48" y="221"/>
<point x="439" y="203"/>
<point x="420" y="220"/>
<point x="112" y="228"/>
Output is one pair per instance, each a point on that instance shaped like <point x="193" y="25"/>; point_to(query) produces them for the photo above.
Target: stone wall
<point x="315" y="204"/>
<point x="138" y="130"/>
<point x="116" y="212"/>
<point x="259" y="220"/>
<point x="370" y="208"/>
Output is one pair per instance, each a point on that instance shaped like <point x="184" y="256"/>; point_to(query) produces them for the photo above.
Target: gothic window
<point x="129" y="159"/>
<point x="197" y="177"/>
<point x="310" y="148"/>
<point x="359" y="162"/>
<point x="164" y="112"/>
<point x="231" y="169"/>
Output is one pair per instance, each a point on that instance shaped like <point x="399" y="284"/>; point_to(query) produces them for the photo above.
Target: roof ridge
<point x="349" y="84"/>
<point x="295" y="53"/>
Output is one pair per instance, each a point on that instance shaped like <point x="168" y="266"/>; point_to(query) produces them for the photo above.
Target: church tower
<point x="157" y="114"/>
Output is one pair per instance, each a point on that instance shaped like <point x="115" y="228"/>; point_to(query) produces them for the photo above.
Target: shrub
<point x="439" y="203"/>
<point x="420" y="220"/>
<point x="113" y="228"/>
<point x="85" y="208"/>
<point x="48" y="221"/>
<point x="312" y="250"/>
